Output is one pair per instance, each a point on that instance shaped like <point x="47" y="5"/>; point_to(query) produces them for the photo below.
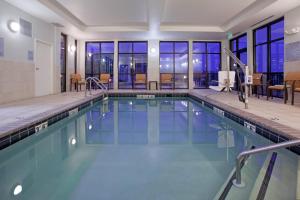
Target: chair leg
<point x="268" y="93"/>
<point x="285" y="96"/>
<point x="293" y="96"/>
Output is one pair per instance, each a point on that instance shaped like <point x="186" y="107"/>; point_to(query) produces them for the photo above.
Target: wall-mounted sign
<point x="229" y="35"/>
<point x="292" y="52"/>
<point x="30" y="55"/>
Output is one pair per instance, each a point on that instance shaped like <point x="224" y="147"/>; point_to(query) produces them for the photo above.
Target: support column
<point x="116" y="74"/>
<point x="191" y="67"/>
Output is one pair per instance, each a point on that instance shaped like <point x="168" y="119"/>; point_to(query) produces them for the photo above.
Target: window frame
<point x="92" y="74"/>
<point x="132" y="59"/>
<point x="174" y="53"/>
<point x="269" y="42"/>
<point x="206" y="53"/>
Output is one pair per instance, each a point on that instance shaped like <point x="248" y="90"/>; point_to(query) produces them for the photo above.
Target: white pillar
<point x="191" y="67"/>
<point x="116" y="74"/>
<point x="153" y="60"/>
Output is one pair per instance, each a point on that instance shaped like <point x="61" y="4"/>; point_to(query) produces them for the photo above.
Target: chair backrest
<point x="140" y="77"/>
<point x="292" y="76"/>
<point x="75" y="77"/>
<point x="104" y="77"/>
<point x="223" y="78"/>
<point x="257" y="78"/>
<point x="166" y="77"/>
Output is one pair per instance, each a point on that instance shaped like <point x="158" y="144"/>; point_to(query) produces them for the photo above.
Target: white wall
<point x="292" y="19"/>
<point x="17" y="79"/>
<point x="16" y="70"/>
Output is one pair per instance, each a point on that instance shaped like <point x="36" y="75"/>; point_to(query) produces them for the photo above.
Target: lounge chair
<point x="257" y="82"/>
<point x="166" y="79"/>
<point x="105" y="79"/>
<point x="224" y="82"/>
<point x="289" y="79"/>
<point x="76" y="80"/>
<point x="140" y="79"/>
<point x="295" y="88"/>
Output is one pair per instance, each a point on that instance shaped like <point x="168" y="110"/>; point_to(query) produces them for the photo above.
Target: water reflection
<point x="126" y="142"/>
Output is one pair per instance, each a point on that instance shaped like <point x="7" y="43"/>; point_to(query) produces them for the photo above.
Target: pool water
<point x="126" y="148"/>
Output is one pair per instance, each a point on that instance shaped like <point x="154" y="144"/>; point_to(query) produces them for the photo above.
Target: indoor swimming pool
<point x="129" y="148"/>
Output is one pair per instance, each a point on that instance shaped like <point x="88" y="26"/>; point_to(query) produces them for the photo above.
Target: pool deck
<point x="273" y="114"/>
<point x="16" y="115"/>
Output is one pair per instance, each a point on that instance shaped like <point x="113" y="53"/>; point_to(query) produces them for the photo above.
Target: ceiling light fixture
<point x="14" y="26"/>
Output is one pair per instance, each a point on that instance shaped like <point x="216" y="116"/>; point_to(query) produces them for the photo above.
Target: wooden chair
<point x="295" y="88"/>
<point x="289" y="80"/>
<point x="73" y="81"/>
<point x="140" y="79"/>
<point x="257" y="82"/>
<point x="77" y="81"/>
<point x="105" y="79"/>
<point x="166" y="79"/>
<point x="80" y="81"/>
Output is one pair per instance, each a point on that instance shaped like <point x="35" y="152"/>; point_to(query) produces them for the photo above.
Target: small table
<point x="151" y="82"/>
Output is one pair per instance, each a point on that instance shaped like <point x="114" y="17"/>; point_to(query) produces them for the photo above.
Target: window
<point x="174" y="65"/>
<point x="133" y="65"/>
<point x="63" y="62"/>
<point x="206" y="63"/>
<point x="99" y="60"/>
<point x="269" y="52"/>
<point x="238" y="46"/>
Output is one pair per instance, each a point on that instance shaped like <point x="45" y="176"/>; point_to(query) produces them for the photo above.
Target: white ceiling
<point x="202" y="12"/>
<point x="154" y="19"/>
<point x="108" y="12"/>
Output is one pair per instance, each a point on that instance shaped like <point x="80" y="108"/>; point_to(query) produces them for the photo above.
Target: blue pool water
<point x="162" y="149"/>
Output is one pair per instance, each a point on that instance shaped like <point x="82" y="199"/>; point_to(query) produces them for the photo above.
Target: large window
<point x="63" y="62"/>
<point x="206" y="63"/>
<point x="99" y="59"/>
<point x="269" y="51"/>
<point x="238" y="46"/>
<point x="174" y="65"/>
<point x="133" y="64"/>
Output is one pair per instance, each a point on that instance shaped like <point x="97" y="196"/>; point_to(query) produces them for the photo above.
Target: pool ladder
<point x="96" y="81"/>
<point x="238" y="180"/>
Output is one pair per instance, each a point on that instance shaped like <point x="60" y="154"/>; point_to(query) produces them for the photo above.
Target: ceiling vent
<point x="261" y="21"/>
<point x="25" y="27"/>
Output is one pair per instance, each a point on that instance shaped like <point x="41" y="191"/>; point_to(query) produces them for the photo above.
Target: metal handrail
<point x="96" y="81"/>
<point x="238" y="181"/>
<point x="245" y="69"/>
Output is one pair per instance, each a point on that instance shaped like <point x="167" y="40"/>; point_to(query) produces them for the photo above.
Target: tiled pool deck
<point x="273" y="115"/>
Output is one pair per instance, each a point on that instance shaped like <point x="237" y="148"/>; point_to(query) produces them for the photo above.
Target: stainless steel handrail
<point x="96" y="81"/>
<point x="245" y="69"/>
<point x="238" y="181"/>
